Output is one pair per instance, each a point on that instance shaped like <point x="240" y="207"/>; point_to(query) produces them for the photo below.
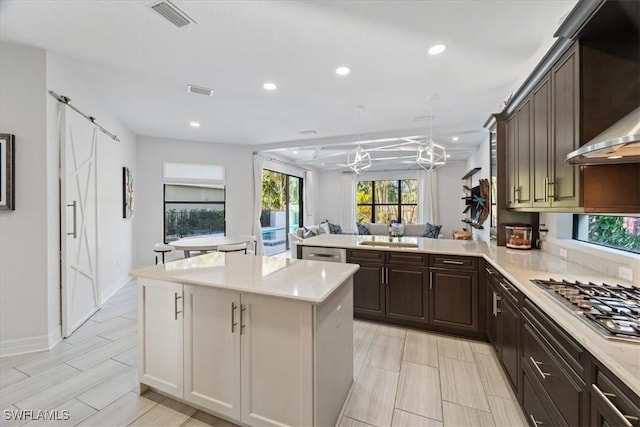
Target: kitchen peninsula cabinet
<point x="368" y="284"/>
<point x="291" y="337"/>
<point x="407" y="284"/>
<point x="454" y="293"/>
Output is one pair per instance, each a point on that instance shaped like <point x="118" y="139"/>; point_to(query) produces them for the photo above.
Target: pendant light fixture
<point x="361" y="160"/>
<point x="430" y="155"/>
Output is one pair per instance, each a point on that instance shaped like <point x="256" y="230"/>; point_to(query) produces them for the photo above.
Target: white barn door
<point x="78" y="219"/>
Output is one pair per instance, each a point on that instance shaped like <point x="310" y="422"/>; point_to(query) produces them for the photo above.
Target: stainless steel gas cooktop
<point x="614" y="310"/>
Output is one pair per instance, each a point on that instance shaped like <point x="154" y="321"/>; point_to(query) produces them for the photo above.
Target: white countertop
<point x="309" y="281"/>
<point x="622" y="358"/>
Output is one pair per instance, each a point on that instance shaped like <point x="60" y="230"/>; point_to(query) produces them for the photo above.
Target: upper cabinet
<point x="582" y="86"/>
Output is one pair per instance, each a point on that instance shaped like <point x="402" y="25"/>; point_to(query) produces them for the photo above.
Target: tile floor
<point x="402" y="378"/>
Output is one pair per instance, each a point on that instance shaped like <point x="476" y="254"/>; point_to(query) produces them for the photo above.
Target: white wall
<point x="115" y="234"/>
<point x="30" y="244"/>
<point x="482" y="159"/>
<point x="152" y="153"/>
<point x="24" y="270"/>
<point x="336" y="199"/>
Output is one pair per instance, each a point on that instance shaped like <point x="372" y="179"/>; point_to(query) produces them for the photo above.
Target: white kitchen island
<point x="255" y="340"/>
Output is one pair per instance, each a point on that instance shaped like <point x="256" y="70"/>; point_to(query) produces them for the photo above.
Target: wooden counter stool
<point x="162" y="249"/>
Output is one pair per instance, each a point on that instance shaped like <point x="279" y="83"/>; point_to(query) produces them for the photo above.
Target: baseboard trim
<point x="115" y="287"/>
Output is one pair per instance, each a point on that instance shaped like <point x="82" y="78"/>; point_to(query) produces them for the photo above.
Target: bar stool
<point x="162" y="249"/>
<point x="252" y="244"/>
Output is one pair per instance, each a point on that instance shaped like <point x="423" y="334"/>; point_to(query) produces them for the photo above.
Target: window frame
<point x="575" y="233"/>
<point x="399" y="205"/>
<point x="164" y="206"/>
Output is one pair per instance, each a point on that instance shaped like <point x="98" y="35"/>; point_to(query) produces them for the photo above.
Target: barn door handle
<point x="74" y="233"/>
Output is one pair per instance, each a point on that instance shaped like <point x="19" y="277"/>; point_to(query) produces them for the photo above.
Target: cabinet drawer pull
<point x="446" y="261"/>
<point x="508" y="287"/>
<point x="233" y="316"/>
<point x="537" y="364"/>
<point x="624" y="418"/>
<point x="175" y="305"/>
<point x="242" y="325"/>
<point x="535" y="422"/>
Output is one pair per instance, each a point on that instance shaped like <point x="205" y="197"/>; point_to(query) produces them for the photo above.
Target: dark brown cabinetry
<point x="406" y="283"/>
<point x="454" y="294"/>
<point x="368" y="283"/>
<point x="612" y="404"/>
<point x="503" y="323"/>
<point x="541" y="140"/>
<point x="439" y="292"/>
<point x="548" y="372"/>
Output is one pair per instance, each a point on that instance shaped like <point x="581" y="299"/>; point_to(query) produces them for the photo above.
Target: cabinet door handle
<point x="537" y="364"/>
<point x="552" y="186"/>
<point x="495" y="304"/>
<point x="535" y="422"/>
<point x="507" y="287"/>
<point x="233" y="316"/>
<point x="387" y="274"/>
<point x="624" y="418"/>
<point x="516" y="194"/>
<point x="431" y="280"/>
<point x="448" y="261"/>
<point x="546" y="188"/>
<point x="382" y="275"/>
<point x="175" y="305"/>
<point x="242" y="325"/>
<point x="498" y="299"/>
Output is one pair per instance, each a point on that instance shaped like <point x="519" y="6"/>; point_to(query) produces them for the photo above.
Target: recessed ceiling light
<point x="270" y="86"/>
<point x="194" y="124"/>
<point x="294" y="152"/>
<point x="343" y="71"/>
<point x="455" y="138"/>
<point x="437" y="49"/>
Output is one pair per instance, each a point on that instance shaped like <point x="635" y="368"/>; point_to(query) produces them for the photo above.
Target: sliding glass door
<point x="281" y="209"/>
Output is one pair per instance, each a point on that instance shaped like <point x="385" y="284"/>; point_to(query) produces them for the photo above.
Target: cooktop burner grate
<point x="614" y="309"/>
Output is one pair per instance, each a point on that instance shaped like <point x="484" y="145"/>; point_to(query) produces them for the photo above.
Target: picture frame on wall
<point x="127" y="192"/>
<point x="7" y="172"/>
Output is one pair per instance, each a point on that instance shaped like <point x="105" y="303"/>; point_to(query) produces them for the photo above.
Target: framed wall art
<point x="7" y="172"/>
<point x="127" y="192"/>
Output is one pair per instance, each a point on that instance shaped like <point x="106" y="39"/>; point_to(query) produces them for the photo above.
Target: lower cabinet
<point x="261" y="360"/>
<point x="368" y="291"/>
<point x="503" y="323"/>
<point x="453" y="299"/>
<point x="406" y="293"/>
<point x="611" y="403"/>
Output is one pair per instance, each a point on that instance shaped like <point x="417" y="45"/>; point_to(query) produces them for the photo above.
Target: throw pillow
<point x="432" y="231"/>
<point x="324" y="228"/>
<point x="363" y="230"/>
<point x="308" y="232"/>
<point x="335" y="228"/>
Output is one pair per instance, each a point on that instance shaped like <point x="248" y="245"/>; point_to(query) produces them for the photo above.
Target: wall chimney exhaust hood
<point x="620" y="143"/>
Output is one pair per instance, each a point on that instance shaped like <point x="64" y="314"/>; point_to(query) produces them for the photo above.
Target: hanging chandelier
<point x="429" y="154"/>
<point x="361" y="160"/>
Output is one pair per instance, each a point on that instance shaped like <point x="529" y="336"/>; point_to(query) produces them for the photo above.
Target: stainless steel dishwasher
<point x="324" y="254"/>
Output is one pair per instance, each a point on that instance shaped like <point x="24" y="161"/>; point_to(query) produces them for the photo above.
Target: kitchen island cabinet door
<point x="212" y="349"/>
<point x="368" y="291"/>
<point x="453" y="299"/>
<point x="277" y="354"/>
<point x="407" y="293"/>
<point x="161" y="321"/>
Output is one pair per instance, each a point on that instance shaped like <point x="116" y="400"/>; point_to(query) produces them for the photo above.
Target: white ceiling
<point x="140" y="65"/>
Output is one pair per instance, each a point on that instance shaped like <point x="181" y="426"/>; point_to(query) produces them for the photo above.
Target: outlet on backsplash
<point x="625" y="273"/>
<point x="563" y="253"/>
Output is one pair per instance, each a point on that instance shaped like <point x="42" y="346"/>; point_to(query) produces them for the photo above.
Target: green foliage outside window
<point x="387" y="201"/>
<point x="615" y="231"/>
<point x="192" y="222"/>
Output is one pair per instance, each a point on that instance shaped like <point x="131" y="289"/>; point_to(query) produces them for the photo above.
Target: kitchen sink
<point x="388" y="244"/>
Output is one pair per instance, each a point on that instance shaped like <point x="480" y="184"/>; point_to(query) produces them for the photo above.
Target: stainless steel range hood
<point x="620" y="143"/>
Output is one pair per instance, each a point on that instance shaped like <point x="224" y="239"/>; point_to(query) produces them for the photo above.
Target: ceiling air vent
<point x="199" y="90"/>
<point x="173" y="14"/>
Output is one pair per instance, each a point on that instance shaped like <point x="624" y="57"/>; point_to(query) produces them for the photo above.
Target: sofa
<point x="414" y="230"/>
<point x="302" y="233"/>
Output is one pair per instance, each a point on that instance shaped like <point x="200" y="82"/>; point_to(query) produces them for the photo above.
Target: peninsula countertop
<point x="308" y="281"/>
<point x="519" y="266"/>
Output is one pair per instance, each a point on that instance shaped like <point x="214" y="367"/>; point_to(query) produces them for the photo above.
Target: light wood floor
<point x="402" y="378"/>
